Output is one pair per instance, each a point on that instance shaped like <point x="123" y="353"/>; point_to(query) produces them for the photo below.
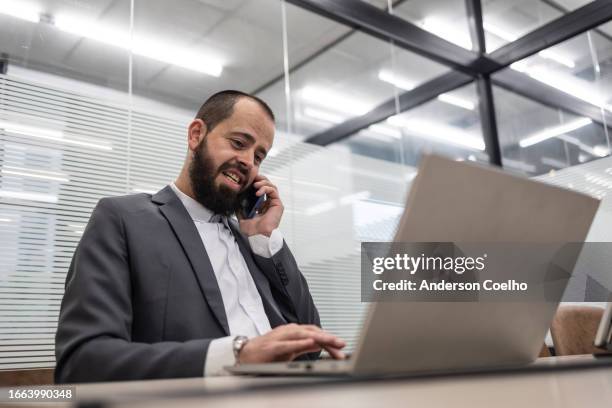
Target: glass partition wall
<point x="96" y="96"/>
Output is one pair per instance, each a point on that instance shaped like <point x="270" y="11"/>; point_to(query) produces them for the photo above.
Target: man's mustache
<point x="237" y="167"/>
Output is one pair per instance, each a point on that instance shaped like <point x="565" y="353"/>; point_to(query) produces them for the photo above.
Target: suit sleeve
<point x="289" y="286"/>
<point x="93" y="339"/>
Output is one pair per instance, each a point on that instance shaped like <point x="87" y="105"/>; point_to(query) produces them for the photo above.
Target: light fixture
<point x="39" y="174"/>
<point x="554" y="132"/>
<point x="320" y="208"/>
<point x="565" y="83"/>
<point x="47" y="134"/>
<point x="457" y="101"/>
<point x="342" y="201"/>
<point x="437" y="132"/>
<point x="597" y="151"/>
<point x="386" y="130"/>
<point x="601" y="151"/>
<point x="166" y="53"/>
<point x="352" y="198"/>
<point x="334" y="101"/>
<point x="552" y="162"/>
<point x="390" y="78"/>
<point x="499" y="32"/>
<point x="510" y="37"/>
<point x="560" y="59"/>
<point x="18" y="9"/>
<point x="25" y="195"/>
<point x="144" y="189"/>
<point x="4" y="219"/>
<point x="325" y="116"/>
<point x="447" y="31"/>
<point x="519" y="165"/>
<point x="363" y="172"/>
<point x="402" y="83"/>
<point x="369" y="134"/>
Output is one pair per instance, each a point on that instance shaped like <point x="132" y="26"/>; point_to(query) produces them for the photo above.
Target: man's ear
<point x="196" y="132"/>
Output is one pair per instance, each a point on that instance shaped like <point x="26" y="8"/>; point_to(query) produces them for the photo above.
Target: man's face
<point x="227" y="159"/>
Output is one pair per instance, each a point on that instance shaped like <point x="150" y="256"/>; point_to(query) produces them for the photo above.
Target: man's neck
<point x="184" y="185"/>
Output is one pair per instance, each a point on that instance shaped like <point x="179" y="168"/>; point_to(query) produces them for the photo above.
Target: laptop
<point x="460" y="202"/>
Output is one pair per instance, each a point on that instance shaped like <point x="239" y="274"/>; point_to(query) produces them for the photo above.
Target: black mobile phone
<point x="251" y="203"/>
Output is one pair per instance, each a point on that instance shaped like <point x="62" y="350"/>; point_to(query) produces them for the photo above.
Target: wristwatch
<point x="237" y="345"/>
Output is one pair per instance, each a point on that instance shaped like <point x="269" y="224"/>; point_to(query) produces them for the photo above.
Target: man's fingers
<point x="335" y="353"/>
<point x="319" y="336"/>
<point x="272" y="192"/>
<point x="295" y="346"/>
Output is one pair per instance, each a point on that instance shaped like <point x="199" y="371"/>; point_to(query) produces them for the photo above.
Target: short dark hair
<point x="220" y="106"/>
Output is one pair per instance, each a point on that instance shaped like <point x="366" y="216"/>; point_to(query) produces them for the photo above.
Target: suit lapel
<point x="261" y="282"/>
<point x="187" y="234"/>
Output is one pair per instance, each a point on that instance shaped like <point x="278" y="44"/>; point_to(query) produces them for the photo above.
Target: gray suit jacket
<point x="142" y="300"/>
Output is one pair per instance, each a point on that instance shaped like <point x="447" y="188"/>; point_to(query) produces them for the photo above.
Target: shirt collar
<point x="196" y="211"/>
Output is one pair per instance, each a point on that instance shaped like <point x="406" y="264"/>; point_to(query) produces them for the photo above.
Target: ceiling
<point x="335" y="71"/>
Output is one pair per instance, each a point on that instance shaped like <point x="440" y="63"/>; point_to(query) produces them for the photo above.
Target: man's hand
<point x="287" y="342"/>
<point x="270" y="213"/>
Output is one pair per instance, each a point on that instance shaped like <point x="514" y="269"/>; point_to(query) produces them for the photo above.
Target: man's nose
<point x="246" y="160"/>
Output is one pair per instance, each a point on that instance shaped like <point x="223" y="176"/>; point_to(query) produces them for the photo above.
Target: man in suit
<point x="171" y="285"/>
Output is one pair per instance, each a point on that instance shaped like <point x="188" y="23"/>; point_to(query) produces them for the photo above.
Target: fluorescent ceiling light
<point x="597" y="151"/>
<point x="353" y="198"/>
<point x="3" y="219"/>
<point x="32" y="174"/>
<point x="47" y="134"/>
<point x="601" y="151"/>
<point x="386" y="130"/>
<point x="368" y="133"/>
<point x="334" y="101"/>
<point x="18" y="9"/>
<point x="330" y="205"/>
<point x="144" y="189"/>
<point x="565" y="83"/>
<point x="402" y="83"/>
<point x="548" y="54"/>
<point x="448" y="32"/>
<point x="320" y="208"/>
<point x="457" y="101"/>
<point x="24" y="195"/>
<point x="362" y="172"/>
<point x="554" y="132"/>
<point x="552" y="162"/>
<point x="324" y="115"/>
<point x="437" y="132"/>
<point x="553" y="56"/>
<point x="166" y="53"/>
<point x="389" y="77"/>
<point x="517" y="164"/>
<point x="499" y="32"/>
<point x="34" y="131"/>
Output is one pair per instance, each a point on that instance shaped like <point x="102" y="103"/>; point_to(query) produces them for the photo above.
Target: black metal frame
<point x="3" y="63"/>
<point x="466" y="65"/>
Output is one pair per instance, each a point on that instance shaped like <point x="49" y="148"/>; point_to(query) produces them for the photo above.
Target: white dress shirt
<point x="243" y="305"/>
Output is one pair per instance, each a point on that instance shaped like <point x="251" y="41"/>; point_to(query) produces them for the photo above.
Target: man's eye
<point x="258" y="159"/>
<point x="237" y="143"/>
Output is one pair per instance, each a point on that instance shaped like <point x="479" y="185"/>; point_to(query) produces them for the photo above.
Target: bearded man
<point x="172" y="285"/>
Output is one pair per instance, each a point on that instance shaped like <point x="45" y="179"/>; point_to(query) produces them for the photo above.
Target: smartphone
<point x="251" y="203"/>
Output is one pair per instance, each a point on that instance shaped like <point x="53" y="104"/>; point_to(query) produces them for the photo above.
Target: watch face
<point x="238" y="344"/>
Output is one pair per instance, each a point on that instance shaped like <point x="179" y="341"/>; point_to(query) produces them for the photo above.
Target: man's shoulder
<point x="127" y="203"/>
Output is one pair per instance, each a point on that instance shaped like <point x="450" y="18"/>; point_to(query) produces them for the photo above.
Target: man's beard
<point x="202" y="173"/>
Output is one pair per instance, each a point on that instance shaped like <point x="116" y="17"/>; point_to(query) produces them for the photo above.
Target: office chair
<point x="573" y="330"/>
<point x="37" y="376"/>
